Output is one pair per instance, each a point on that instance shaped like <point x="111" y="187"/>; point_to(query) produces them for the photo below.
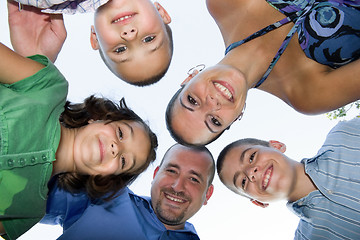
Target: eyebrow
<point x="242" y="156"/>
<point x="197" y="174"/>
<point x="129" y="126"/>
<point x="186" y="107"/>
<point x="133" y="165"/>
<point x="192" y="171"/>
<point x="157" y="46"/>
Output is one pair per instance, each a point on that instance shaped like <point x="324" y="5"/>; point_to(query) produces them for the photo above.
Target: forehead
<point x="188" y="159"/>
<point x="232" y="161"/>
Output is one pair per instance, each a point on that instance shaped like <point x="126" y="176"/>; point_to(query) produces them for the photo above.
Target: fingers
<point x="58" y="26"/>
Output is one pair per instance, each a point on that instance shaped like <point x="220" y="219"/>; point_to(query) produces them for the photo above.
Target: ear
<point x="163" y="13"/>
<point x="193" y="74"/>
<point x="93" y="39"/>
<point x="278" y="145"/>
<point x="259" y="204"/>
<point x="209" y="193"/>
<point x="156" y="171"/>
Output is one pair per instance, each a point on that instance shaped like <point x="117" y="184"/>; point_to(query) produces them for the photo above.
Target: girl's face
<point x="209" y="103"/>
<point x="111" y="148"/>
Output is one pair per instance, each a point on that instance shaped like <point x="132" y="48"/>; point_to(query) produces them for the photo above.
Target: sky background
<point x="196" y="40"/>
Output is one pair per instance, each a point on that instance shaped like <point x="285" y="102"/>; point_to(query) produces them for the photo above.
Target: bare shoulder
<point x="219" y="9"/>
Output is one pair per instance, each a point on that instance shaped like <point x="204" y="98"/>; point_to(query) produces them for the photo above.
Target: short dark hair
<point x="197" y="149"/>
<point x="78" y="115"/>
<point x="152" y="79"/>
<point x="168" y="120"/>
<point x="240" y="142"/>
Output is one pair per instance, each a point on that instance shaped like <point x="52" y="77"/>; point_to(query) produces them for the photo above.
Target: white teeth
<point x="267" y="178"/>
<point x="224" y="90"/>
<point x="122" y="18"/>
<point x="174" y="199"/>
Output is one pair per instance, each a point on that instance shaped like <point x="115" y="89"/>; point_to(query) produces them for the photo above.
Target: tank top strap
<point x="295" y="17"/>
<point x="260" y="32"/>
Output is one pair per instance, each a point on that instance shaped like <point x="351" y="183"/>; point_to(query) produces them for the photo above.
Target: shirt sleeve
<point x="62" y="207"/>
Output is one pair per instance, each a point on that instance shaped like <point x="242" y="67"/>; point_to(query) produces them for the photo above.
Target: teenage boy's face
<point x="132" y="37"/>
<point x="258" y="172"/>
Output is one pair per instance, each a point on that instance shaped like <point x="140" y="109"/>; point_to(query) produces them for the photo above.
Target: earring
<point x="199" y="67"/>
<point x="242" y="113"/>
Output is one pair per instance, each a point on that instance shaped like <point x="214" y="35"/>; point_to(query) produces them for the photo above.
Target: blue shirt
<point x="333" y="211"/>
<point x="128" y="217"/>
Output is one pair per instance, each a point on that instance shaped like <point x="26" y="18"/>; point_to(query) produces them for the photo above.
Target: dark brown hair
<point x="78" y="115"/>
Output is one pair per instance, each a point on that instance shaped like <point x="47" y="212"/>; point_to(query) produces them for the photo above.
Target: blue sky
<point x="196" y="40"/>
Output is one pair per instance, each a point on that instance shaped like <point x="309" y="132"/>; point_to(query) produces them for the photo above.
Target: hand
<point x="33" y="32"/>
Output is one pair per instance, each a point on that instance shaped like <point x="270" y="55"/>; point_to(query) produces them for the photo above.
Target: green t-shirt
<point x="29" y="138"/>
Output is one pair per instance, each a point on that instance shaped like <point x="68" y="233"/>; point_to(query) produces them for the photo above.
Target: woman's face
<point x="208" y="104"/>
<point x="111" y="148"/>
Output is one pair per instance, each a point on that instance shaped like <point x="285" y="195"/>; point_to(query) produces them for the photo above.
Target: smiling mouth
<point x="174" y="199"/>
<point x="224" y="91"/>
<point x="267" y="178"/>
<point x="123" y="19"/>
<point x="102" y="151"/>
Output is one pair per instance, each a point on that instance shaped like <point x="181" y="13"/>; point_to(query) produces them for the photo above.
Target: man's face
<point x="258" y="172"/>
<point x="132" y="37"/>
<point x="180" y="186"/>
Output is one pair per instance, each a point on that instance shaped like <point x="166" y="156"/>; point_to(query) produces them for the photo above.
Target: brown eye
<point x="148" y="39"/>
<point x="243" y="182"/>
<point x="121" y="49"/>
<point x="252" y="157"/>
<point x="191" y="100"/>
<point x="215" y="122"/>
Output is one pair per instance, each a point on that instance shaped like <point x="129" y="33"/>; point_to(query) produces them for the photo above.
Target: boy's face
<point x="132" y="38"/>
<point x="258" y="172"/>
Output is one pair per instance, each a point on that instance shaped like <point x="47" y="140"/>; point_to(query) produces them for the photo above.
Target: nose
<point x="178" y="185"/>
<point x="129" y="33"/>
<point x="213" y="102"/>
<point x="114" y="149"/>
<point x="252" y="173"/>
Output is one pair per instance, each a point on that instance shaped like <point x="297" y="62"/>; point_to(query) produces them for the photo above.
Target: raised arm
<point x="33" y="32"/>
<point x="14" y="67"/>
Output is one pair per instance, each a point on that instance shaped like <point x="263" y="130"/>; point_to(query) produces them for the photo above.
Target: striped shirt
<point x="333" y="211"/>
<point x="65" y="6"/>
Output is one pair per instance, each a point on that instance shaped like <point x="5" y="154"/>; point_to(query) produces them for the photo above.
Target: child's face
<point x="258" y="172"/>
<point x="110" y="148"/>
<point x="132" y="38"/>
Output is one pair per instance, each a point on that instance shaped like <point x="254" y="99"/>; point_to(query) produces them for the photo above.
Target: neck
<point x="64" y="154"/>
<point x="303" y="184"/>
<point x="174" y="227"/>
